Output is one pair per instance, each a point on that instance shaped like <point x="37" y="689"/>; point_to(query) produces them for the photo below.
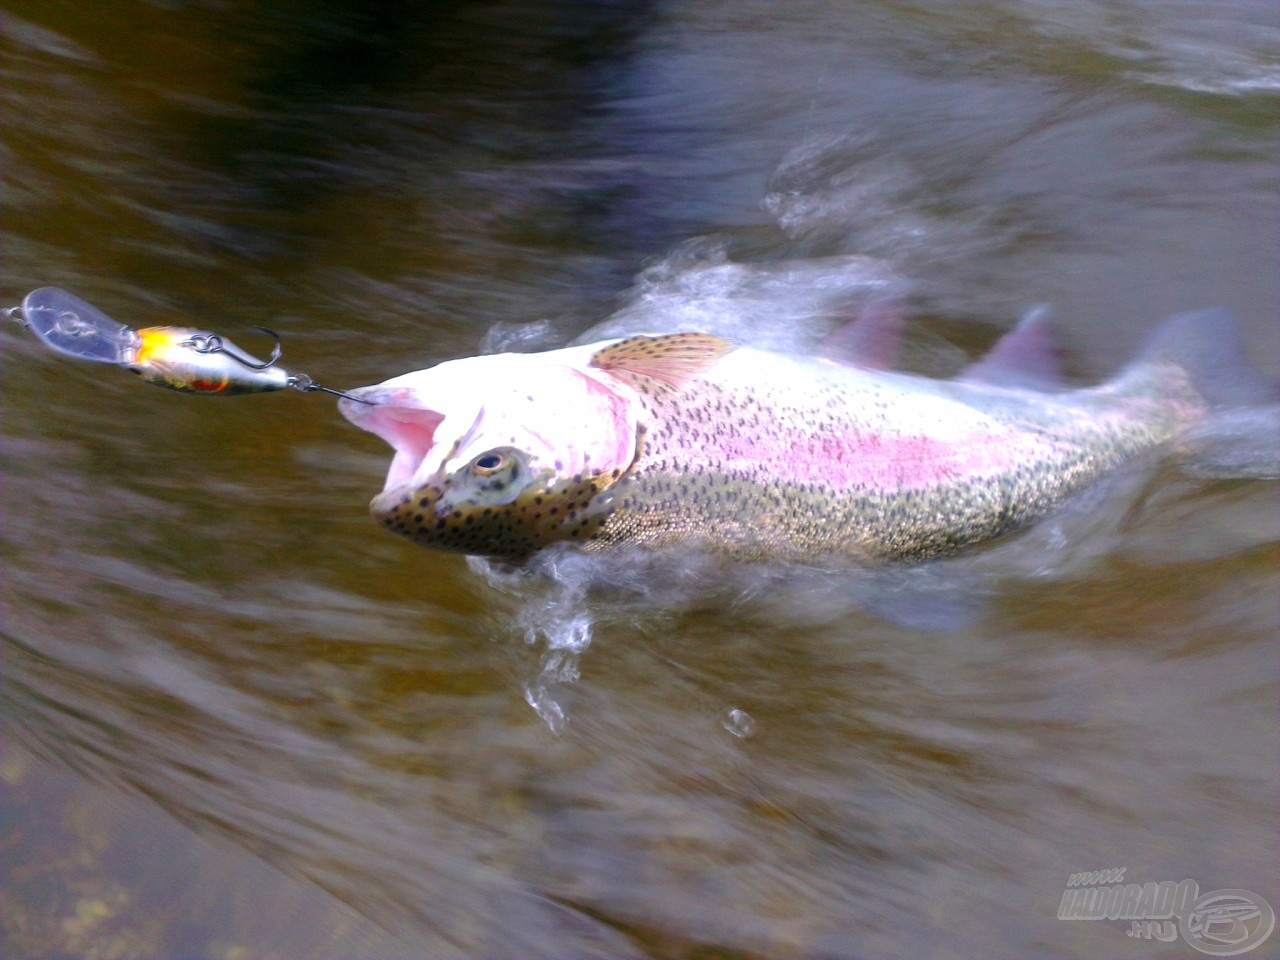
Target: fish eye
<point x="488" y="463"/>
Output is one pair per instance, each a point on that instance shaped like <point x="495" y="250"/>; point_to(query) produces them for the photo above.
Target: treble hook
<point x="212" y="343"/>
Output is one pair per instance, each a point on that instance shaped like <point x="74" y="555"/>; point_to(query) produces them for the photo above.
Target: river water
<point x="241" y="721"/>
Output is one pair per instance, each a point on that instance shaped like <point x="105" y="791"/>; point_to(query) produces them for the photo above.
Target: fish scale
<point x="679" y="489"/>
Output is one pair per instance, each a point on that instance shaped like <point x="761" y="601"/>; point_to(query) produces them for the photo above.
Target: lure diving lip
<point x="179" y="358"/>
<point x="69" y="325"/>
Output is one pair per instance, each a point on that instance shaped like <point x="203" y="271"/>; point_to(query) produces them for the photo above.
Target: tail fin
<point x="1207" y="344"/>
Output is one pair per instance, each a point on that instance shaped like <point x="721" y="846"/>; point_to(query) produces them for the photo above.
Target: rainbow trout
<point x="687" y="438"/>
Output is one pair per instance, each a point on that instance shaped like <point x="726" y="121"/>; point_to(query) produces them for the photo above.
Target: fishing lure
<point x="179" y="358"/>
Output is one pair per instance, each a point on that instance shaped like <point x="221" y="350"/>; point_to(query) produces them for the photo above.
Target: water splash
<point x="552" y="610"/>
<point x="520" y="337"/>
<point x="786" y="306"/>
<point x="565" y="626"/>
<point x="563" y="596"/>
<point x="1238" y="444"/>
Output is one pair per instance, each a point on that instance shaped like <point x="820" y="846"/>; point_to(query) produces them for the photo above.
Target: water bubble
<point x="739" y="723"/>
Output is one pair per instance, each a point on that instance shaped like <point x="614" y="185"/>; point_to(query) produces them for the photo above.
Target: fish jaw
<point x="567" y="431"/>
<point x="445" y="514"/>
<point x="399" y="417"/>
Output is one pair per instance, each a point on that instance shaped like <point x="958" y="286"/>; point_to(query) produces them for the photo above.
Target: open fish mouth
<point x="399" y="417"/>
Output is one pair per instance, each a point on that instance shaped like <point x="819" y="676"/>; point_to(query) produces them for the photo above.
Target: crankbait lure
<point x="179" y="358"/>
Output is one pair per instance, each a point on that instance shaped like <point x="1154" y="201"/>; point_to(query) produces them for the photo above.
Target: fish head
<point x="499" y="455"/>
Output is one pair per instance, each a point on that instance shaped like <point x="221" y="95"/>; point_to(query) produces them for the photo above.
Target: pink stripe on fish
<point x="889" y="462"/>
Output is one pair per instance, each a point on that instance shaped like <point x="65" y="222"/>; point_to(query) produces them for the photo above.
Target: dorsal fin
<point x="1026" y="356"/>
<point x="673" y="358"/>
<point x="871" y="341"/>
